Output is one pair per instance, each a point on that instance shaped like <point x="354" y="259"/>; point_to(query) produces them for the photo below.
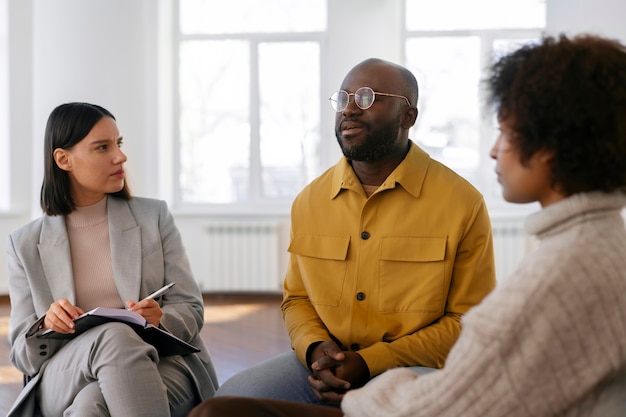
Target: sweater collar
<point x="88" y="215"/>
<point x="568" y="210"/>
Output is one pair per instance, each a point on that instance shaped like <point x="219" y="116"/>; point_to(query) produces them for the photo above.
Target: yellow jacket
<point x="389" y="276"/>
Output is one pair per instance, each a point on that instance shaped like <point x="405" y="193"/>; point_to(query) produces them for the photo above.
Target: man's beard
<point x="376" y="145"/>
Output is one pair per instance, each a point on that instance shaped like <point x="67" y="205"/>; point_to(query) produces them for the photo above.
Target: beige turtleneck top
<point x="88" y="232"/>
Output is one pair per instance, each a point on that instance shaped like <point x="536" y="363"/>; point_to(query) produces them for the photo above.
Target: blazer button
<point x="42" y="347"/>
<point x="360" y="296"/>
<point x="365" y="235"/>
<point x="354" y="346"/>
<point x="43" y="353"/>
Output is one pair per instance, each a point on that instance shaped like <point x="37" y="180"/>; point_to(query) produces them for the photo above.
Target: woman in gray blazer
<point x="96" y="246"/>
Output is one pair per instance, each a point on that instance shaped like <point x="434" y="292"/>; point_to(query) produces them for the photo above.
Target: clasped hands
<point x="61" y="314"/>
<point x="335" y="371"/>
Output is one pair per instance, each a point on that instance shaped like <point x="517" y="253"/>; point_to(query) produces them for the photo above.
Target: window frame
<point x="483" y="177"/>
<point x="341" y="59"/>
<point x="256" y="204"/>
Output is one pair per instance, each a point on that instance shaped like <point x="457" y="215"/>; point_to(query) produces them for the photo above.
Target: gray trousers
<point x="110" y="371"/>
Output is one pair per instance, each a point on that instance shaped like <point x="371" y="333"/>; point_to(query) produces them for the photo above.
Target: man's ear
<point x="62" y="159"/>
<point x="409" y="117"/>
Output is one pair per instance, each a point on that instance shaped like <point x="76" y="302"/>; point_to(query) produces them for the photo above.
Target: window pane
<point x="447" y="71"/>
<point x="214" y="121"/>
<point x="475" y="14"/>
<point x="502" y="47"/>
<point x="290" y="119"/>
<point x="249" y="16"/>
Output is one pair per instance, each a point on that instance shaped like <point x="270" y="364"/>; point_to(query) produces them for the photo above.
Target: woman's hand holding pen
<point x="60" y="316"/>
<point x="148" y="308"/>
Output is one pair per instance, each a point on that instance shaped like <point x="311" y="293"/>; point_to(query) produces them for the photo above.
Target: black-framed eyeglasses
<point x="364" y="97"/>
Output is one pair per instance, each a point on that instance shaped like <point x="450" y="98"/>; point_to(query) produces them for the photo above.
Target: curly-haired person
<point x="550" y="340"/>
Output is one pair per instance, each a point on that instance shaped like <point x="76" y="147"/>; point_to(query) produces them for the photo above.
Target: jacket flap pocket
<point x="324" y="247"/>
<point x="413" y="249"/>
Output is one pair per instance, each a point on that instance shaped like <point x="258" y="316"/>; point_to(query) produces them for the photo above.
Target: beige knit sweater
<point x="542" y="343"/>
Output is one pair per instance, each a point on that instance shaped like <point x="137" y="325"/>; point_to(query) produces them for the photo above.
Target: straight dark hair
<point x="67" y="125"/>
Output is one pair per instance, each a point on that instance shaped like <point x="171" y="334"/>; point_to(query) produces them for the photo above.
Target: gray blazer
<point x="146" y="251"/>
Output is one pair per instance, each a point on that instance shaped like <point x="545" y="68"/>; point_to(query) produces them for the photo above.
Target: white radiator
<point x="242" y="257"/>
<point x="250" y="257"/>
<point x="509" y="245"/>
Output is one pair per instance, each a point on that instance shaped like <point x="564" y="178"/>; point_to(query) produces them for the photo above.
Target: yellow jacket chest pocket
<point x="322" y="265"/>
<point x="412" y="274"/>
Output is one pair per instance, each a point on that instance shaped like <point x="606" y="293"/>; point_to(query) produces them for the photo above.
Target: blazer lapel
<point x="126" y="253"/>
<point x="56" y="261"/>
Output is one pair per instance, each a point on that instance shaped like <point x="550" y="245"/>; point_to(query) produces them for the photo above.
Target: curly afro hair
<point x="568" y="96"/>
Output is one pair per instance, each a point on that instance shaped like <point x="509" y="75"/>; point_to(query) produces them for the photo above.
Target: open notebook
<point x="166" y="343"/>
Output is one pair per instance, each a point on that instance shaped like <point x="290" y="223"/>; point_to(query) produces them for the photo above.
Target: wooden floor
<point x="240" y="330"/>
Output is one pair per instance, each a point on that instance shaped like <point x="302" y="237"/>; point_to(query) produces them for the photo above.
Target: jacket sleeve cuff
<point x="32" y="331"/>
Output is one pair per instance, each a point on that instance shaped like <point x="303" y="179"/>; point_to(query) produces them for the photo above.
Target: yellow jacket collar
<point x="410" y="174"/>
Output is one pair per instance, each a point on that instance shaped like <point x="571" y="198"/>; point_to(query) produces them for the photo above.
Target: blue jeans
<point x="282" y="377"/>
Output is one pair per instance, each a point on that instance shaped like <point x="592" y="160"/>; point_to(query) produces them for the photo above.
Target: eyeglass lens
<point x="363" y="97"/>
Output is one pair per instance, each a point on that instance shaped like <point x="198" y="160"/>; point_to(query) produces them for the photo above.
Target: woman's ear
<point x="62" y="159"/>
<point x="545" y="156"/>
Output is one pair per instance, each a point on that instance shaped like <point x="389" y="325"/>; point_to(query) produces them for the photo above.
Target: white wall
<point x="109" y="52"/>
<point x="103" y="51"/>
<point x="602" y="17"/>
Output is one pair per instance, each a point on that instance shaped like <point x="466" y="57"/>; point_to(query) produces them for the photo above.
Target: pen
<point x="160" y="292"/>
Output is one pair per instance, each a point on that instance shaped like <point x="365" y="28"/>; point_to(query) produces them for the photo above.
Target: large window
<point x="448" y="45"/>
<point x="250" y="113"/>
<point x="248" y="127"/>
